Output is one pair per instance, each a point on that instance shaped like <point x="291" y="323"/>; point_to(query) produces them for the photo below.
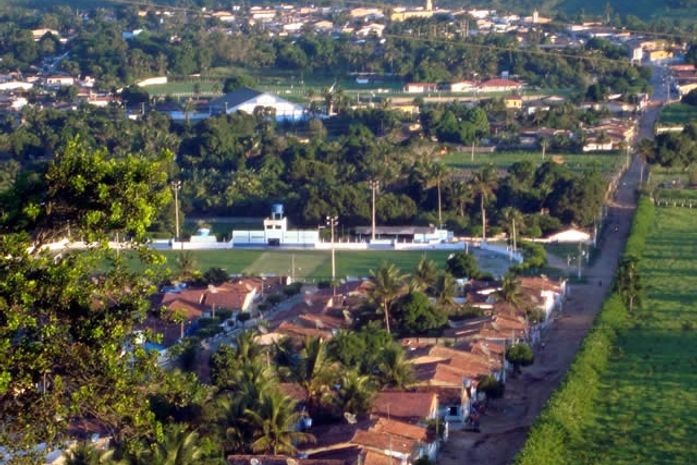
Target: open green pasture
<point x="185" y="88"/>
<point x="678" y="113"/>
<point x="579" y="162"/>
<point x="648" y="407"/>
<point x="315" y="265"/>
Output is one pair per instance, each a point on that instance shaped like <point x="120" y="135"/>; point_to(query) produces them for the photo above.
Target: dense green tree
<point x="416" y="316"/>
<point x="520" y="355"/>
<point x="463" y="265"/>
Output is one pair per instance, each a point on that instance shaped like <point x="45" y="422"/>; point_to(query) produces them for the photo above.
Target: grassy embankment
<point x="630" y="396"/>
<point x="677" y="113"/>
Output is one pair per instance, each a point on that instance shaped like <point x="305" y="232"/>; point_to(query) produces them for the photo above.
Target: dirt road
<point x="505" y="425"/>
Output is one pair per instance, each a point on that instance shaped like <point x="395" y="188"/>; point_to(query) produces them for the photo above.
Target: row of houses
<point x="405" y="425"/>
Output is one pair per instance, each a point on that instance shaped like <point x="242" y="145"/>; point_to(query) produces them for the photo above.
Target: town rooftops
<point x="400" y="428"/>
<point x="383" y="442"/>
<point x="405" y="405"/>
<point x="278" y="460"/>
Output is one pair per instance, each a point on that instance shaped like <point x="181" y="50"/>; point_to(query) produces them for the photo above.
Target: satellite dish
<point x="350" y="418"/>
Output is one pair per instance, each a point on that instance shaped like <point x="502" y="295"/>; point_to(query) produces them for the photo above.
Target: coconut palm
<point x="86" y="454"/>
<point x="187" y="267"/>
<point x="433" y="174"/>
<point x="177" y="447"/>
<point x="424" y="275"/>
<point x="386" y="284"/>
<point x="394" y="369"/>
<point x="483" y="184"/>
<point x="444" y="289"/>
<point x="510" y="291"/>
<point x="314" y="371"/>
<point x="274" y="421"/>
<point x="515" y="219"/>
<point x="461" y="192"/>
<point x="355" y="393"/>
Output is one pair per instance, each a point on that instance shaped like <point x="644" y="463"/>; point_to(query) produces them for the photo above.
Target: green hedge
<point x="556" y="438"/>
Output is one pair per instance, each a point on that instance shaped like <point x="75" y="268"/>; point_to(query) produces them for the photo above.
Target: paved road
<point x="505" y="426"/>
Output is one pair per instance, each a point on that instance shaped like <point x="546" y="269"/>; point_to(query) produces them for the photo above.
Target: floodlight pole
<point x="332" y="222"/>
<point x="374" y="185"/>
<point x="176" y="186"/>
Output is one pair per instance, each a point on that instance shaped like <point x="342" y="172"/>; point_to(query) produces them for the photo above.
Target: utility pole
<point x="544" y="149"/>
<point x="374" y="185"/>
<point x="627" y="153"/>
<point x="332" y="222"/>
<point x="472" y="156"/>
<point x="176" y="186"/>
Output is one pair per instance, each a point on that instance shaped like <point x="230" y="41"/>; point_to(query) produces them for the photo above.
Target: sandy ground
<point x="505" y="425"/>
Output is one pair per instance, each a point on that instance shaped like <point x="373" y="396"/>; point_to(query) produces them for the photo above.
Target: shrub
<point x="292" y="289"/>
<point x="274" y="299"/>
<point x="520" y="355"/>
<point x="492" y="388"/>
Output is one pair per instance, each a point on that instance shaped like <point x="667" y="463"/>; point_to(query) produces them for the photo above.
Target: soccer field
<point x="315" y="265"/>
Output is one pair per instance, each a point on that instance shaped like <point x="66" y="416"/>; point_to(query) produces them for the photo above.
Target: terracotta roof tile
<point x="405" y="405"/>
<point x="383" y="442"/>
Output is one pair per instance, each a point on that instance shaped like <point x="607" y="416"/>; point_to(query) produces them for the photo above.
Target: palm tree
<point x="515" y="220"/>
<point x="187" y="266"/>
<point x="483" y="184"/>
<point x="424" y="275"/>
<point x="355" y="393"/>
<point x="628" y="282"/>
<point x="177" y="447"/>
<point x="433" y="174"/>
<point x="386" y="284"/>
<point x="510" y="290"/>
<point x="86" y="454"/>
<point x="394" y="369"/>
<point x="444" y="289"/>
<point x="314" y="371"/>
<point x="274" y="421"/>
<point x="462" y="193"/>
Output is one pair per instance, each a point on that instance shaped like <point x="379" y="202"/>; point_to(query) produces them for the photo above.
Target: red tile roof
<point x="384" y="442"/>
<point x="400" y="428"/>
<point x="405" y="405"/>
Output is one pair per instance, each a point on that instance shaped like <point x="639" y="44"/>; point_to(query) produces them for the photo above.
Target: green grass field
<point x="648" y="408"/>
<point x="677" y="113"/>
<point x="314" y="265"/>
<point x="606" y="163"/>
<point x="206" y="88"/>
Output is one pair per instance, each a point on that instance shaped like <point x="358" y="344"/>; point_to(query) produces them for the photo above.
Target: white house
<point x="462" y="86"/>
<point x="60" y="81"/>
<point x="247" y="100"/>
<point x="14" y="85"/>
